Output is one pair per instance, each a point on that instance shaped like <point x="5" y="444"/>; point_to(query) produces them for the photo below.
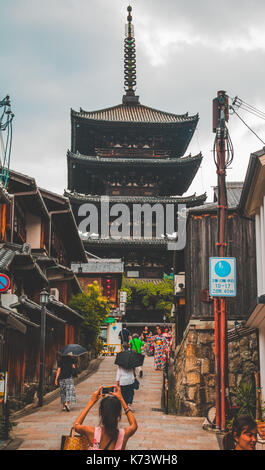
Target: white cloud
<point x="69" y="53"/>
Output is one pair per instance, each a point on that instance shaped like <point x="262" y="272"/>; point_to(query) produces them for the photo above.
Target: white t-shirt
<point x="125" y="376"/>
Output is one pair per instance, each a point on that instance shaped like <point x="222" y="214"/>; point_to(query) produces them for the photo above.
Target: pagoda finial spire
<point x="129" y="62"/>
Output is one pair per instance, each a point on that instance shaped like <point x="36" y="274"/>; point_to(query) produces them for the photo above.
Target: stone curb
<point x="11" y="444"/>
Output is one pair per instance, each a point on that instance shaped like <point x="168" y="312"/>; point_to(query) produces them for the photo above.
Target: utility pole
<point x="223" y="157"/>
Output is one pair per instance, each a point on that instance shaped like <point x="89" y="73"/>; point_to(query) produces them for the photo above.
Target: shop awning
<point x="11" y="321"/>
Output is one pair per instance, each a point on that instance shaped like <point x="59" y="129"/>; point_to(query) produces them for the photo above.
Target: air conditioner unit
<point x="8" y="299"/>
<point x="179" y="282"/>
<point x="55" y="293"/>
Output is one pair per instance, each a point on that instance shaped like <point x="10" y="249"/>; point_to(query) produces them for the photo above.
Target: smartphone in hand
<point x="106" y="390"/>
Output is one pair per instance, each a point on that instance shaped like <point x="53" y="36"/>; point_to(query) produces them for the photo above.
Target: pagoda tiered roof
<point x="136" y="122"/>
<point x="152" y="162"/>
<point x="175" y="174"/>
<point x="135" y="113"/>
<point x="190" y="201"/>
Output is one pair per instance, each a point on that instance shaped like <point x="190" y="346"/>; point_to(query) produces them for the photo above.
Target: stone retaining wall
<point x="194" y="366"/>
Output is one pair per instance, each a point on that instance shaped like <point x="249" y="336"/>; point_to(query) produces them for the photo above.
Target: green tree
<point x="94" y="307"/>
<point x="150" y="295"/>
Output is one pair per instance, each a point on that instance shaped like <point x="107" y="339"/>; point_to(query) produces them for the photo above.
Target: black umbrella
<point x="73" y="350"/>
<point x="129" y="359"/>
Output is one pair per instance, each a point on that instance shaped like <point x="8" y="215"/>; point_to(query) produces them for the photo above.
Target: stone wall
<point x="243" y="358"/>
<point x="194" y="384"/>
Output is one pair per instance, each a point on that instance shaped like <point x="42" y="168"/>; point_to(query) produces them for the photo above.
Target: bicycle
<point x="231" y="412"/>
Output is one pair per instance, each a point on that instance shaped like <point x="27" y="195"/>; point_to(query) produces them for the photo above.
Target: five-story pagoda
<point x="126" y="157"/>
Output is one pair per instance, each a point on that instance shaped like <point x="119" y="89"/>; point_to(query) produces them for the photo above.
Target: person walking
<point x="64" y="377"/>
<point x="125" y="379"/>
<point x="144" y="334"/>
<point x="107" y="436"/>
<point x="168" y="336"/>
<point x="149" y="348"/>
<point x="136" y="345"/>
<point x="124" y="336"/>
<point x="160" y="350"/>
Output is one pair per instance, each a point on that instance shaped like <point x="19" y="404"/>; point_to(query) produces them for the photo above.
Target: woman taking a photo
<point x="107" y="435"/>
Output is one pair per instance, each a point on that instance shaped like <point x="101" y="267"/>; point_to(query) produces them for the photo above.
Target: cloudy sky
<point x="63" y="54"/>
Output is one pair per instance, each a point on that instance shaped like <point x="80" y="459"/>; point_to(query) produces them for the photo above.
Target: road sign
<point x="222" y="274"/>
<point x="4" y="283"/>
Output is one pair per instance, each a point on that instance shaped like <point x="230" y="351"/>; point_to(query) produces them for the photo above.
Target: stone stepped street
<point x="42" y="429"/>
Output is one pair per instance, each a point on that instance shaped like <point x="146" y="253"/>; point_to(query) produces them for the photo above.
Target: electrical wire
<point x="254" y="114"/>
<point x="253" y="108"/>
<point x="6" y="119"/>
<point x="9" y="155"/>
<point x="247" y="107"/>
<point x="229" y="150"/>
<point x="247" y="125"/>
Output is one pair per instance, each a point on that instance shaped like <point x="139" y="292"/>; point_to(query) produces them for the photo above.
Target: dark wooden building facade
<point x="38" y="241"/>
<point x="201" y="245"/>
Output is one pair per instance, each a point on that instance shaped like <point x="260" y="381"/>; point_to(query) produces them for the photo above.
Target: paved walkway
<point x="42" y="429"/>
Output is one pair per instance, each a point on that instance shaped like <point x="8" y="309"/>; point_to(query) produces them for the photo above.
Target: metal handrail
<point x="165" y="387"/>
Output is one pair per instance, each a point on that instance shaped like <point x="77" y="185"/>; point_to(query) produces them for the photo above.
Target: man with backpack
<point x="136" y="345"/>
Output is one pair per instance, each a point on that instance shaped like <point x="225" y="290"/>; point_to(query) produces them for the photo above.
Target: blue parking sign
<point x="222" y="275"/>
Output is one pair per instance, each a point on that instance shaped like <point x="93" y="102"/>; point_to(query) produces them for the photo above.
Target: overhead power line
<point x="231" y="107"/>
<point x="239" y="103"/>
<point x="6" y="119"/>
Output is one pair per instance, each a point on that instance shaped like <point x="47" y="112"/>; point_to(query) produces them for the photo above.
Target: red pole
<point x="222" y="361"/>
<point x="217" y="363"/>
<point x="220" y="115"/>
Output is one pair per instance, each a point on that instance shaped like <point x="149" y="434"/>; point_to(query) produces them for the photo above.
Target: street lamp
<point x="44" y="300"/>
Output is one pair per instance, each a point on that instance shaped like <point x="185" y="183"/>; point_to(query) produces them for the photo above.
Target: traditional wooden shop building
<point x="38" y="241"/>
<point x="127" y="157"/>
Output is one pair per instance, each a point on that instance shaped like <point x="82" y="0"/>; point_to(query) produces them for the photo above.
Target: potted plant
<point x="245" y="398"/>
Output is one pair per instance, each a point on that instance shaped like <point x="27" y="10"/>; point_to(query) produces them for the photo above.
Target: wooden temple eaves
<point x="136" y="113"/>
<point x="163" y="176"/>
<point x="152" y="163"/>
<point x="131" y="127"/>
<point x="190" y="201"/>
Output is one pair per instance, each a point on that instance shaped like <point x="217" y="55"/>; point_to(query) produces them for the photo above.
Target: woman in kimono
<point x="168" y="336"/>
<point x="160" y="350"/>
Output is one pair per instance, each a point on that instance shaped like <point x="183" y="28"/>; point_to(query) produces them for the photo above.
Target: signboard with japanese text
<point x="3" y="386"/>
<point x="123" y="296"/>
<point x="222" y="274"/>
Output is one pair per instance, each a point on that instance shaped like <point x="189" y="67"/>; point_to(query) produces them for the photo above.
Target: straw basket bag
<point x="73" y="442"/>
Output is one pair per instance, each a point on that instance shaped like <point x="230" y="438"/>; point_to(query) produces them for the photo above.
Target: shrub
<point x="94" y="307"/>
